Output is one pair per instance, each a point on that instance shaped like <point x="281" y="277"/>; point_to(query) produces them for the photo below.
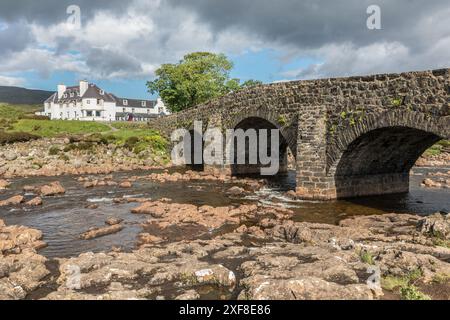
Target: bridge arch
<point x="288" y="126"/>
<point x="261" y="121"/>
<point x="376" y="155"/>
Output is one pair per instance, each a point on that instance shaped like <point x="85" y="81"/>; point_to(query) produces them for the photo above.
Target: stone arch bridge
<point x="350" y="137"/>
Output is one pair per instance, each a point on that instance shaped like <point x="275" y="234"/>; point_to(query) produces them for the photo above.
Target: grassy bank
<point x="53" y="128"/>
<point x="19" y="124"/>
<point x="438" y="148"/>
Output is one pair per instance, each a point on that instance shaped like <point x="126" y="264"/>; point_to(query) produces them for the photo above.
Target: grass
<point x="129" y="125"/>
<point x="20" y="124"/>
<point x="139" y="140"/>
<point x="53" y="128"/>
<point x="367" y="257"/>
<point x="410" y="292"/>
<point x="437" y="148"/>
<point x="406" y="285"/>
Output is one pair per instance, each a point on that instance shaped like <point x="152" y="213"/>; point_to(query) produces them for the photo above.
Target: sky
<point x="119" y="44"/>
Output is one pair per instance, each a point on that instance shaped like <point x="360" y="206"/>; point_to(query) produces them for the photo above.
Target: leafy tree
<point x="197" y="78"/>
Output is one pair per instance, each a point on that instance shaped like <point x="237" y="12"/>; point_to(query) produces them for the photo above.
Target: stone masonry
<point x="350" y="136"/>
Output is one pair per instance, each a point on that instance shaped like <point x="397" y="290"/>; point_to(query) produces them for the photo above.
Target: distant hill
<point x="16" y="95"/>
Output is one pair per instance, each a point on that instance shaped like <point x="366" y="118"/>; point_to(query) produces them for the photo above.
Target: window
<point x="102" y="92"/>
<point x="71" y="94"/>
<point x="143" y="103"/>
<point x="132" y="110"/>
<point x="160" y="109"/>
<point x="123" y="110"/>
<point x="89" y="113"/>
<point x="125" y="102"/>
<point x="148" y="111"/>
<point x="97" y="113"/>
<point x="88" y="101"/>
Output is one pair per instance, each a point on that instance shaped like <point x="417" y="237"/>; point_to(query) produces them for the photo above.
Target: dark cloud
<point x="313" y="23"/>
<point x="107" y="63"/>
<point x="126" y="39"/>
<point x="50" y="11"/>
<point x="15" y="37"/>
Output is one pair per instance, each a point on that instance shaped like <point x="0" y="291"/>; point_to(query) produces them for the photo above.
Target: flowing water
<point x="63" y="218"/>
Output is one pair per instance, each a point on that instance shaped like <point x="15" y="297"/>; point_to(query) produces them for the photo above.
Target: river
<point x="63" y="218"/>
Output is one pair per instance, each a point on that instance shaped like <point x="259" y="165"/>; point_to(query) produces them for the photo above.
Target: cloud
<point x="414" y="34"/>
<point x="15" y="37"/>
<point x="130" y="39"/>
<point x="11" y="81"/>
<point x="134" y="42"/>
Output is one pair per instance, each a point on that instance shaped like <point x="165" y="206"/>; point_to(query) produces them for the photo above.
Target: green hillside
<point x="22" y="96"/>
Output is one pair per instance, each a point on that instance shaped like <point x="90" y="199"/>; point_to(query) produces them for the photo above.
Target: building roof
<point x="136" y="115"/>
<point x="52" y="98"/>
<point x="134" y="103"/>
<point x="72" y="94"/>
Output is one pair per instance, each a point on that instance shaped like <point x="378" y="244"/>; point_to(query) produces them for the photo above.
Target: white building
<point x="88" y="102"/>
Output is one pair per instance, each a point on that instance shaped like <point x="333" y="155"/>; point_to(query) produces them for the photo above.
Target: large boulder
<point x="3" y="184"/>
<point x="52" y="189"/>
<point x="304" y="288"/>
<point x="15" y="200"/>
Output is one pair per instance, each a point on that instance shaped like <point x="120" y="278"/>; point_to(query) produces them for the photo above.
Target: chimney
<point x="61" y="90"/>
<point x="84" y="85"/>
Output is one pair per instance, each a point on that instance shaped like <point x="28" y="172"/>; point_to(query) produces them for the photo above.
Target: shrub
<point x="64" y="157"/>
<point x="81" y="146"/>
<point x="13" y="137"/>
<point x="141" y="146"/>
<point x="34" y="117"/>
<point x="410" y="292"/>
<point x="131" y="142"/>
<point x="53" y="151"/>
<point x="96" y="138"/>
<point x="367" y="257"/>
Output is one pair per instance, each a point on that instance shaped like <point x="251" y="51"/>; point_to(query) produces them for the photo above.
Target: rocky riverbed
<point x="96" y="233"/>
<point x="440" y="160"/>
<point x="239" y="250"/>
<point x="58" y="156"/>
<point x="266" y="256"/>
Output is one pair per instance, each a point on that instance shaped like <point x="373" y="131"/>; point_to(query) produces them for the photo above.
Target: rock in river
<point x="99" y="232"/>
<point x="15" y="200"/>
<point x="52" y="189"/>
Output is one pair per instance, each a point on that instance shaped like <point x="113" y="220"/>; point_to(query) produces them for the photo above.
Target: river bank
<point x="93" y="219"/>
<point x="275" y="258"/>
<point x="170" y="235"/>
<point x="59" y="156"/>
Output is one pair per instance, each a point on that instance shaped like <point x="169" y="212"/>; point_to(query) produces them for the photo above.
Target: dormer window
<point x="143" y="103"/>
<point x="102" y="92"/>
<point x="125" y="102"/>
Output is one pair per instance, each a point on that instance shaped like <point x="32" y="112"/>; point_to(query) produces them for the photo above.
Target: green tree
<point x="197" y="78"/>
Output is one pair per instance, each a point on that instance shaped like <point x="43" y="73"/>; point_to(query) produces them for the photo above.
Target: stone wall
<point x="320" y="119"/>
